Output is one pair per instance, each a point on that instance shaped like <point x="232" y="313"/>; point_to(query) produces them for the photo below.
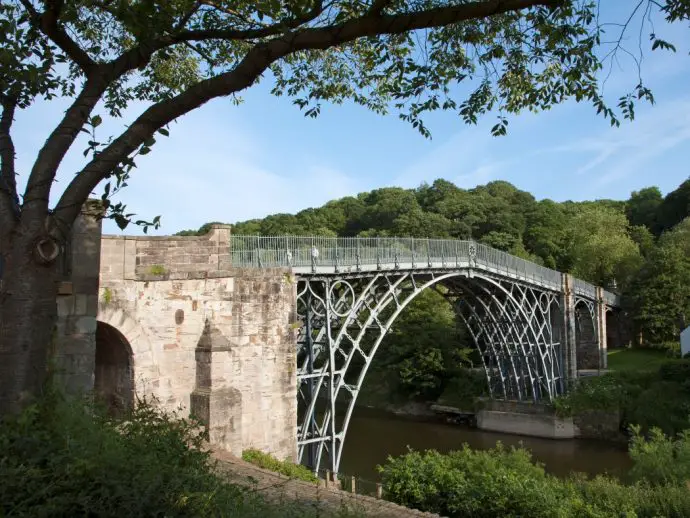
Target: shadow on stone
<point x="114" y="374"/>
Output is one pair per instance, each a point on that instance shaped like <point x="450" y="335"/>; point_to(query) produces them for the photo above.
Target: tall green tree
<point x="176" y="55"/>
<point x="601" y="246"/>
<point x="675" y="208"/>
<point x="660" y="292"/>
<point x="426" y="347"/>
<point x="643" y="206"/>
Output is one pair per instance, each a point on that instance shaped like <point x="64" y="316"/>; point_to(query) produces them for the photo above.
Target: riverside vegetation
<point x="66" y="457"/>
<point x="506" y="482"/>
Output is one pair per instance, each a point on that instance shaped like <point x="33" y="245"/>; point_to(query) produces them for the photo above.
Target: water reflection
<point x="373" y="436"/>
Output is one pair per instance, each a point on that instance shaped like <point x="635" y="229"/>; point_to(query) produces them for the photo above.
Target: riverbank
<point x="280" y="488"/>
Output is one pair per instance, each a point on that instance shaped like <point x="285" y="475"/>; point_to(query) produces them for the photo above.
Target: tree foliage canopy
<point x="407" y="56"/>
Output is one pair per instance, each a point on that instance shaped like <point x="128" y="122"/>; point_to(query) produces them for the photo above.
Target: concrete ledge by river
<point x="533" y="425"/>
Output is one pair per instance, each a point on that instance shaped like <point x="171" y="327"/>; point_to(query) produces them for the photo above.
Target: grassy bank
<point x="622" y="360"/>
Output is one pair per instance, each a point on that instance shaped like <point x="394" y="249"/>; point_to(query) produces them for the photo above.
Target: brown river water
<point x="374" y="435"/>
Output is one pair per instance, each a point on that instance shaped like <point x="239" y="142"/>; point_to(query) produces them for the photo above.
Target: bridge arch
<point x="586" y="334"/>
<point x="511" y="324"/>
<point x="114" y="371"/>
<point x="125" y="360"/>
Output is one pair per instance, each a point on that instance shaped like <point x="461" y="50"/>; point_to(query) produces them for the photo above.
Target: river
<point x="374" y="435"/>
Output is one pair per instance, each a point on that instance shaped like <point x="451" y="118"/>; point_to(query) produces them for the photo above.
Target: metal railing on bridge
<point x="342" y="254"/>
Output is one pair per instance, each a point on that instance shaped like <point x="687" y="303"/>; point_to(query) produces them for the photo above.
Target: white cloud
<point x="211" y="171"/>
<point x="615" y="154"/>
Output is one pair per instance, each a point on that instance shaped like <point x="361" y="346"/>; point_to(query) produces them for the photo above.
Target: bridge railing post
<point x="412" y="250"/>
<point x="336" y="255"/>
<point x="358" y="257"/>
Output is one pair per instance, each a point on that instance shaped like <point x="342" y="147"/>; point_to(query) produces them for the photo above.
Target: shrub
<point x="463" y="389"/>
<point x="601" y="393"/>
<point x="503" y="482"/>
<point x="467" y="482"/>
<point x="66" y="458"/>
<point x="675" y="370"/>
<point x="660" y="460"/>
<point x="671" y="348"/>
<point x="658" y="398"/>
<point x="284" y="467"/>
<point x="601" y="496"/>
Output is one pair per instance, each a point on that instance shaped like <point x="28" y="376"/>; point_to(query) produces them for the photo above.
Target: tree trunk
<point x="28" y="313"/>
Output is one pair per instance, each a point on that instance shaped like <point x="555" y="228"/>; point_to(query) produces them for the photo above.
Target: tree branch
<point x="250" y="34"/>
<point x="9" y="203"/>
<point x="183" y="21"/>
<point x="47" y="22"/>
<point x="377" y="7"/>
<point x="37" y="193"/>
<point x="257" y="60"/>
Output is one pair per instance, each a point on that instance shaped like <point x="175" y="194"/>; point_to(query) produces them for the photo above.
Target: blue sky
<point x="230" y="163"/>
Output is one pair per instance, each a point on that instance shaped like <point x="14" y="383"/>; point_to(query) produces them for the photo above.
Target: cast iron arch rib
<point x="347" y="316"/>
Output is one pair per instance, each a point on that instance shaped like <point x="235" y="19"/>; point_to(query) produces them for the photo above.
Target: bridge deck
<point x="341" y="255"/>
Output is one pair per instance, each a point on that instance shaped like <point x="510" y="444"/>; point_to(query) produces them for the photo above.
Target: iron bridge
<point x="350" y="292"/>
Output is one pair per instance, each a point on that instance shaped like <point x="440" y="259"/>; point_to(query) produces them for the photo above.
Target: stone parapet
<point x="157" y="257"/>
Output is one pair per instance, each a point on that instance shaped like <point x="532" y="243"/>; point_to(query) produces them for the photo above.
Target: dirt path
<point x="279" y="487"/>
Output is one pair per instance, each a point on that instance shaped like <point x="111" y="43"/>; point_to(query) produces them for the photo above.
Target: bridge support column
<point x="74" y="351"/>
<point x="601" y="329"/>
<point x="217" y="405"/>
<point x="568" y="338"/>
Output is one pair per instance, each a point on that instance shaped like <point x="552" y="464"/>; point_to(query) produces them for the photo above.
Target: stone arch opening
<point x="114" y="373"/>
<point x="614" y="330"/>
<point x="586" y="340"/>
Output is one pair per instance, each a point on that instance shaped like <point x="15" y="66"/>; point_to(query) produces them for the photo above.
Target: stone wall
<point x="169" y="257"/>
<point x="77" y="304"/>
<point x="205" y="337"/>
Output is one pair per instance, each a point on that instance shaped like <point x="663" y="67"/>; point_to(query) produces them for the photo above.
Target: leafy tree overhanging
<point x="403" y="55"/>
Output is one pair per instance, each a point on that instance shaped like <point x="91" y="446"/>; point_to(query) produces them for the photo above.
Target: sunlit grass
<point x="635" y="359"/>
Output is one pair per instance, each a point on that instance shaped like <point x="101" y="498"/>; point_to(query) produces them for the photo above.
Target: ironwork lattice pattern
<point x="514" y="326"/>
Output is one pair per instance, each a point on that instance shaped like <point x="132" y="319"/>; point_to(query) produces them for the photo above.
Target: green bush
<point x="659" y="459"/>
<point x="66" y="458"/>
<point x="601" y="393"/>
<point x="500" y="482"/>
<point x="600" y="497"/>
<point x="284" y="467"/>
<point x="463" y="389"/>
<point x="468" y="482"/>
<point x="671" y="348"/>
<point x="675" y="370"/>
<point x="657" y="398"/>
<point x="665" y="405"/>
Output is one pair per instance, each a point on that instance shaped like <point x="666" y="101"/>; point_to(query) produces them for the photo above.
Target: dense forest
<point x="639" y="247"/>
